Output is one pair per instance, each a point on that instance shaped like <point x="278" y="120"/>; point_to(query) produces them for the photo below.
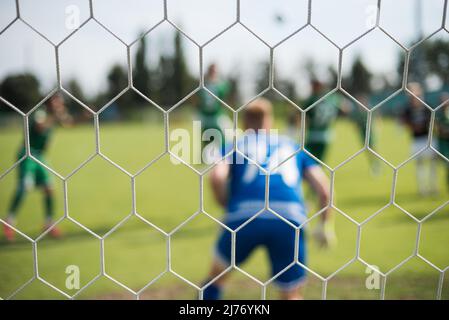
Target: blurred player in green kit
<point x="319" y="120"/>
<point x="442" y="123"/>
<point x="31" y="174"/>
<point x="211" y="113"/>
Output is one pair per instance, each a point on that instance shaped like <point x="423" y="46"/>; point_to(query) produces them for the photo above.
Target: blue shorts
<point x="277" y="237"/>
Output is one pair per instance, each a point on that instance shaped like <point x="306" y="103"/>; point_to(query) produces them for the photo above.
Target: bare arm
<point x="64" y="118"/>
<point x="324" y="232"/>
<point x="319" y="182"/>
<point x="60" y="113"/>
<point x="344" y="107"/>
<point x="218" y="179"/>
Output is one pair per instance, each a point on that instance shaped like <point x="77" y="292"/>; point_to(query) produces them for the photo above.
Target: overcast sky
<point x="90" y="53"/>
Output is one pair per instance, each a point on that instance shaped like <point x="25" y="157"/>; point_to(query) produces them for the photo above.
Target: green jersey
<point x="39" y="137"/>
<point x="442" y="118"/>
<point x="208" y="105"/>
<point x="320" y="118"/>
<point x="30" y="170"/>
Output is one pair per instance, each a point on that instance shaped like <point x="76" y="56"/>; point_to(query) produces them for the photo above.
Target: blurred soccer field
<point x="99" y="196"/>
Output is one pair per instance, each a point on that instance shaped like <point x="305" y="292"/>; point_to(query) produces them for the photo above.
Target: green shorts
<point x="31" y="173"/>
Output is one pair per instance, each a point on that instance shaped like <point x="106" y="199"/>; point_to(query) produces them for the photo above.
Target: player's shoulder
<point x="289" y="146"/>
<point x="270" y="139"/>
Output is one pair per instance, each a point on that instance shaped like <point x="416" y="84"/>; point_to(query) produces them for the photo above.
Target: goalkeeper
<point x="240" y="188"/>
<point x="31" y="173"/>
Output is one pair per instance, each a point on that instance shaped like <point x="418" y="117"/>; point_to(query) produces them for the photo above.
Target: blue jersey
<point x="247" y="181"/>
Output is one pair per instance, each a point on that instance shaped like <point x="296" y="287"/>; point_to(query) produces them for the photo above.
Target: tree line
<point x="169" y="80"/>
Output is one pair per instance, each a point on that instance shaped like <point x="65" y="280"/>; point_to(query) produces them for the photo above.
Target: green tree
<point x="142" y="73"/>
<point x="180" y="74"/>
<point x="75" y="89"/>
<point x="183" y="81"/>
<point x="172" y="79"/>
<point x="164" y="77"/>
<point x="359" y="79"/>
<point x="437" y="59"/>
<point x="117" y="80"/>
<point x="285" y="86"/>
<point x="22" y="90"/>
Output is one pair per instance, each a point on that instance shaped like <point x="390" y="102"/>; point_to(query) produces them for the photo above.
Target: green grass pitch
<point x="99" y="196"/>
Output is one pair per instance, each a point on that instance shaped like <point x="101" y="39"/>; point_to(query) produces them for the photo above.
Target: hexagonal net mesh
<point x="129" y="179"/>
